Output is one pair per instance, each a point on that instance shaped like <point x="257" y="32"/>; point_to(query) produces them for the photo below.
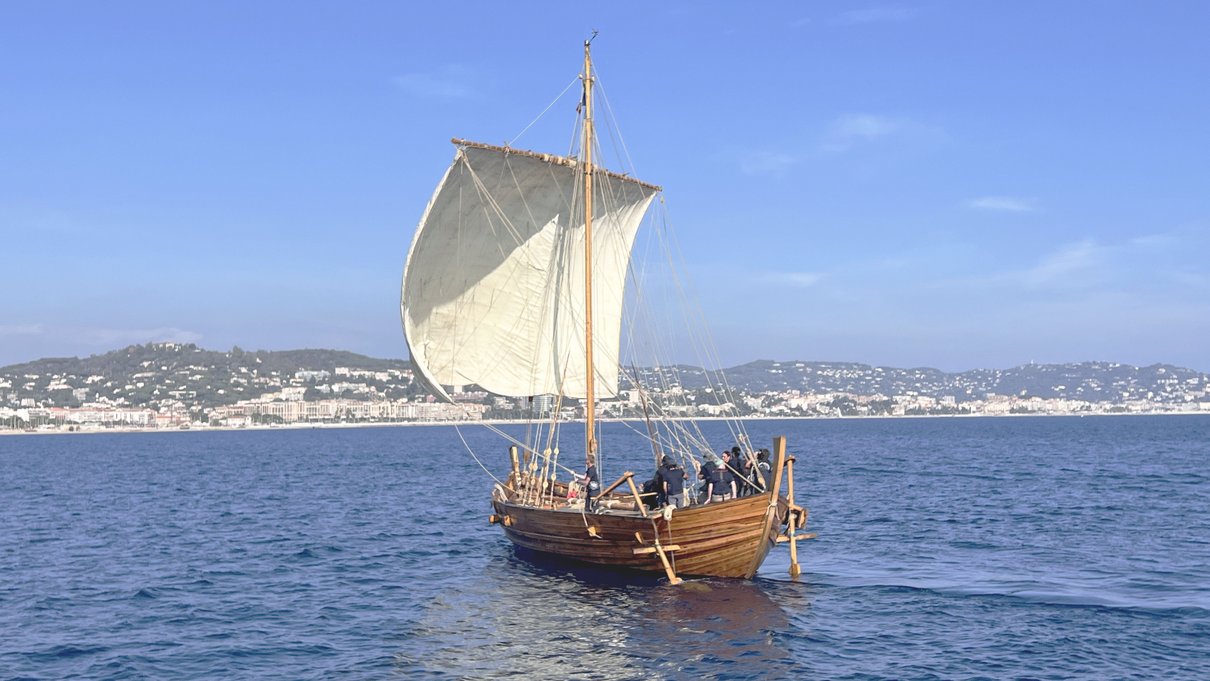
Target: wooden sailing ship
<point x="514" y="282"/>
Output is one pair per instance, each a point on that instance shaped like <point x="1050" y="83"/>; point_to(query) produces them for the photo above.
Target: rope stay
<point x="665" y="399"/>
<point x="544" y="111"/>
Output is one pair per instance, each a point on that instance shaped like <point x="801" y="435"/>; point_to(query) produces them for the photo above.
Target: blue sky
<point x="945" y="184"/>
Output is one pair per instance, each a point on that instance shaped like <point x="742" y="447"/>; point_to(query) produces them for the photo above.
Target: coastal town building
<point x="176" y="386"/>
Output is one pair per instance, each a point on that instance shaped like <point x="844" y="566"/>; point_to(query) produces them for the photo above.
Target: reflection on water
<point x="549" y="620"/>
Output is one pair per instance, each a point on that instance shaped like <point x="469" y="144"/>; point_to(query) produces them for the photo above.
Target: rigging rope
<point x="539" y="116"/>
<point x="680" y="437"/>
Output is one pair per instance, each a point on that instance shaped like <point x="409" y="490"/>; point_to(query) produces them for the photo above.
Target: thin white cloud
<point x="1063" y="264"/>
<point x="1149" y="262"/>
<point x="852" y="130"/>
<point x="1070" y="266"/>
<point x="1004" y="204"/>
<point x="1154" y="241"/>
<point x="864" y="127"/>
<point x="794" y="279"/>
<point x="20" y="329"/>
<point x="766" y="163"/>
<point x="876" y="15"/>
<point x="451" y="82"/>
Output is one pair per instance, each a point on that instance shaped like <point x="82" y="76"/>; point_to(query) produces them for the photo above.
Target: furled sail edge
<point x="422" y="372"/>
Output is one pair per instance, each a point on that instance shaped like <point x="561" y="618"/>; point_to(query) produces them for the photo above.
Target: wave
<point x="1027" y="592"/>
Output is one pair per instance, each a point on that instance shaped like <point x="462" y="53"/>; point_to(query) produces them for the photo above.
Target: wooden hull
<point x="727" y="539"/>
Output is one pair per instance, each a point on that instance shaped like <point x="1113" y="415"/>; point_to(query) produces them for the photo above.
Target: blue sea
<point x="966" y="548"/>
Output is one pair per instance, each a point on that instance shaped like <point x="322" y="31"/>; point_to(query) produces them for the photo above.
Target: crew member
<point x="743" y="472"/>
<point x="762" y="472"/>
<point x="592" y="482"/>
<point x="707" y="474"/>
<point x="722" y="483"/>
<point x="674" y="483"/>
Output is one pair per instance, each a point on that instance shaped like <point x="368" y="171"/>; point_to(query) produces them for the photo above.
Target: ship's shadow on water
<point x="527" y="615"/>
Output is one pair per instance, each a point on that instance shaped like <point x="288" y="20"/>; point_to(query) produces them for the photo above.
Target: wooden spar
<point x="638" y="499"/>
<point x="512" y="454"/>
<point x="528" y="466"/>
<point x="555" y="160"/>
<point x="545" y="473"/>
<point x="801" y="537"/>
<point x="625" y="476"/>
<point x="652" y="549"/>
<point x="792" y="525"/>
<point x="659" y="551"/>
<point x="779" y="460"/>
<point x="590" y="436"/>
<point x="658" y="548"/>
<point x="651" y="434"/>
<point x="527" y="470"/>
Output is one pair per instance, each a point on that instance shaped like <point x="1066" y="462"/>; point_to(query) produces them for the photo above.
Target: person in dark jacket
<point x="673" y="478"/>
<point x="762" y="472"/>
<point x="743" y="472"/>
<point x="658" y="481"/>
<point x="722" y="480"/>
<point x="592" y="483"/>
<point x="651" y="492"/>
<point x="708" y="474"/>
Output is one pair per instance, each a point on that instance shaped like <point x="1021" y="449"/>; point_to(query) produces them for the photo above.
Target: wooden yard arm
<point x="625" y="476"/>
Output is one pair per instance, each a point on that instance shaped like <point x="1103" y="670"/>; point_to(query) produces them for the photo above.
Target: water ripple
<point x="948" y="548"/>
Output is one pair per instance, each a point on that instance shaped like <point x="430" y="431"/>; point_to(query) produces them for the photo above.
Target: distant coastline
<point x="168" y="386"/>
<point x="503" y="422"/>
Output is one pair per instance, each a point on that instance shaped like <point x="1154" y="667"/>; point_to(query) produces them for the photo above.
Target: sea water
<point x="1032" y="547"/>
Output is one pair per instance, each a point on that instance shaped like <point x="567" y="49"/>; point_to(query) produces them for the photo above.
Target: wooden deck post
<point x="512" y="453"/>
<point x="792" y="525"/>
<point x="779" y="461"/>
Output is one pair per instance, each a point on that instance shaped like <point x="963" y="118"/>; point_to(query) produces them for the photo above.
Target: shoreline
<point x="494" y="422"/>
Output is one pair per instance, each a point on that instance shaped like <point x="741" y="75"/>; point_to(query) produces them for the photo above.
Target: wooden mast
<point x="590" y="437"/>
